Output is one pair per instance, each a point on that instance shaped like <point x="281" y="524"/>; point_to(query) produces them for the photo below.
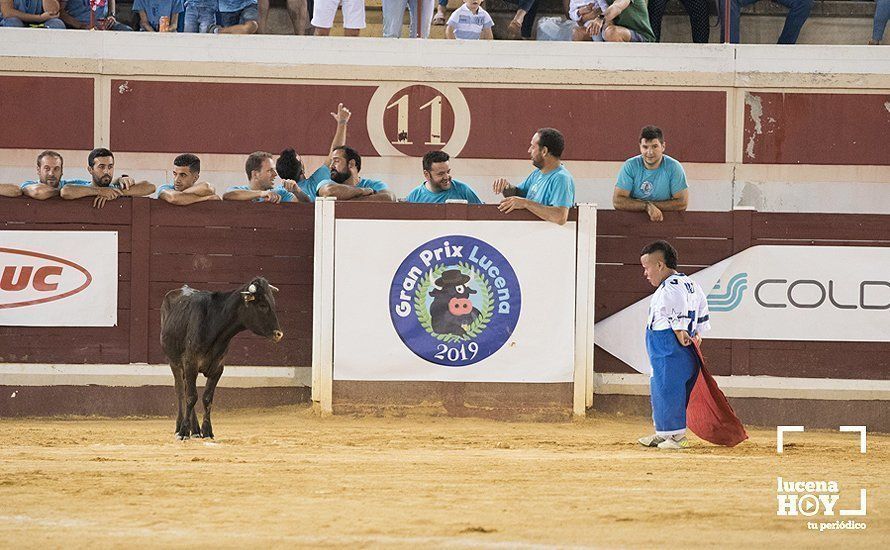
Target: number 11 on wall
<point x="403" y="106"/>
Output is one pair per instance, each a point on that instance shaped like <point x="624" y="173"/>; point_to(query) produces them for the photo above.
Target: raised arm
<point x="342" y="117"/>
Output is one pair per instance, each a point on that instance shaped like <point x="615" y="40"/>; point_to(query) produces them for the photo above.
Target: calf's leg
<point x="209" y="390"/>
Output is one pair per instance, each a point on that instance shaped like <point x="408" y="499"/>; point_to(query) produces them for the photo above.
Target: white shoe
<point x="651" y="440"/>
<point x="674" y="442"/>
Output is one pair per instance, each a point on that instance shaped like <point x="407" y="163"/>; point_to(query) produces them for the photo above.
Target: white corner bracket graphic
<point x="780" y="436"/>
<point x="861" y="430"/>
<point x="862" y="506"/>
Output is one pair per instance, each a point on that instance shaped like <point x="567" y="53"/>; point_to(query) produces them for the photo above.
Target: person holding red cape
<point x="683" y="392"/>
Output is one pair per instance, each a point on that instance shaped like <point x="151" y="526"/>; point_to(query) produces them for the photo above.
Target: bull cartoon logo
<point x="455" y="300"/>
<point x="452" y="310"/>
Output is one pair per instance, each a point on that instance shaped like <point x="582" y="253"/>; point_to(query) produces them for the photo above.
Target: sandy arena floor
<point x="285" y="478"/>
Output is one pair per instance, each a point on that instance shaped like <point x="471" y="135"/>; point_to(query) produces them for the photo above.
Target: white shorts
<point x="353" y="13"/>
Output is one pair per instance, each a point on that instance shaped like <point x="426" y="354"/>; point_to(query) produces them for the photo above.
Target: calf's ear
<point x="248" y="296"/>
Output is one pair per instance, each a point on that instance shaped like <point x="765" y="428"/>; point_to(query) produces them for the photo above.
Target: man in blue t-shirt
<point x="549" y="191"/>
<point x="76" y="15"/>
<point x="186" y="188"/>
<point x="104" y="187"/>
<point x="261" y="186"/>
<point x="23" y="13"/>
<point x="346" y="184"/>
<point x="49" y="177"/>
<point x="651" y="182"/>
<point x="292" y="171"/>
<point x="439" y="187"/>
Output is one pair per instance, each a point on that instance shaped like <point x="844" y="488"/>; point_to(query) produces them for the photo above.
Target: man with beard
<point x="549" y="191"/>
<point x="439" y="187"/>
<point x="261" y="185"/>
<point x="651" y="182"/>
<point x="345" y="183"/>
<point x="104" y="186"/>
<point x="186" y="189"/>
<point x="49" y="177"/>
<point x="292" y="171"/>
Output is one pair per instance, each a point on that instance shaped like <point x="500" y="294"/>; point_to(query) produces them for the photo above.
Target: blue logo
<point x="729" y="298"/>
<point x="455" y="300"/>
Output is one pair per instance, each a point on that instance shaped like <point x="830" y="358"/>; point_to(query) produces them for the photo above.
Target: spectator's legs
<point x="393" y="14"/>
<point x="262" y="16"/>
<point x="118" y="26"/>
<point x="54" y="23"/>
<point x="698" y="19"/>
<point x="323" y="16"/>
<point x="441" y="16"/>
<point x="426" y="7"/>
<point x="353" y="17"/>
<point x="524" y="20"/>
<point x="191" y="20"/>
<point x="239" y="22"/>
<point x="882" y="15"/>
<point x="656" y="12"/>
<point x="298" y="13"/>
<point x="799" y="11"/>
<point x="12" y="22"/>
<point x="735" y="7"/>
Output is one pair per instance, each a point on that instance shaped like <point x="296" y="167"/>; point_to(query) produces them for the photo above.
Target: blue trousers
<point x="798" y="12"/>
<point x="882" y="15"/>
<point x="674" y="371"/>
<point x="54" y="23"/>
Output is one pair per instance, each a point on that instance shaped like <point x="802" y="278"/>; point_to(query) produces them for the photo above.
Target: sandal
<point x="439" y="19"/>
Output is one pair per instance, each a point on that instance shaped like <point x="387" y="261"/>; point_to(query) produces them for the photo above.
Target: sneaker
<point x="213" y="29"/>
<point x="651" y="440"/>
<point x="674" y="442"/>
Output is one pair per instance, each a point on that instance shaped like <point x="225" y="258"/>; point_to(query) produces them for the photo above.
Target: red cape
<point x="708" y="414"/>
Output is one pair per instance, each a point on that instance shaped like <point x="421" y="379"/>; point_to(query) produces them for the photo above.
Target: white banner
<point x="484" y="301"/>
<point x="809" y="293"/>
<point x="58" y="278"/>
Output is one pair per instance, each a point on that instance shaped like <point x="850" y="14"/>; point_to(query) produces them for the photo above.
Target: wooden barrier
<point x="218" y="246"/>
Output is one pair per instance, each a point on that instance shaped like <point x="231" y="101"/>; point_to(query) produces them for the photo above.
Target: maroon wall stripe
<point x="808" y="128"/>
<point x="47" y="113"/>
<point x="601" y="125"/>
<point x="203" y="117"/>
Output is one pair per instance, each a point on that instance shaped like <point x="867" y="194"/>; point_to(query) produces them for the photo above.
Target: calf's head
<point x="257" y="310"/>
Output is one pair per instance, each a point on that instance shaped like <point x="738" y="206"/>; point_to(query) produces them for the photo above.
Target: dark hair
<point x="553" y="140"/>
<point x="288" y="165"/>
<point x="100" y="152"/>
<point x="188" y="160"/>
<point x="433" y="157"/>
<point x="351" y="154"/>
<point x="49" y="154"/>
<point x="651" y="132"/>
<point x="667" y="251"/>
<point x="255" y="162"/>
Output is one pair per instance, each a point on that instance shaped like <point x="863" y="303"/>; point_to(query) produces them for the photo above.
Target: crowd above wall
<point x="585" y="20"/>
<point x="651" y="182"/>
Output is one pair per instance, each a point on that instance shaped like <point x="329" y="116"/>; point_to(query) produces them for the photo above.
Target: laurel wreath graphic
<point x="472" y="330"/>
